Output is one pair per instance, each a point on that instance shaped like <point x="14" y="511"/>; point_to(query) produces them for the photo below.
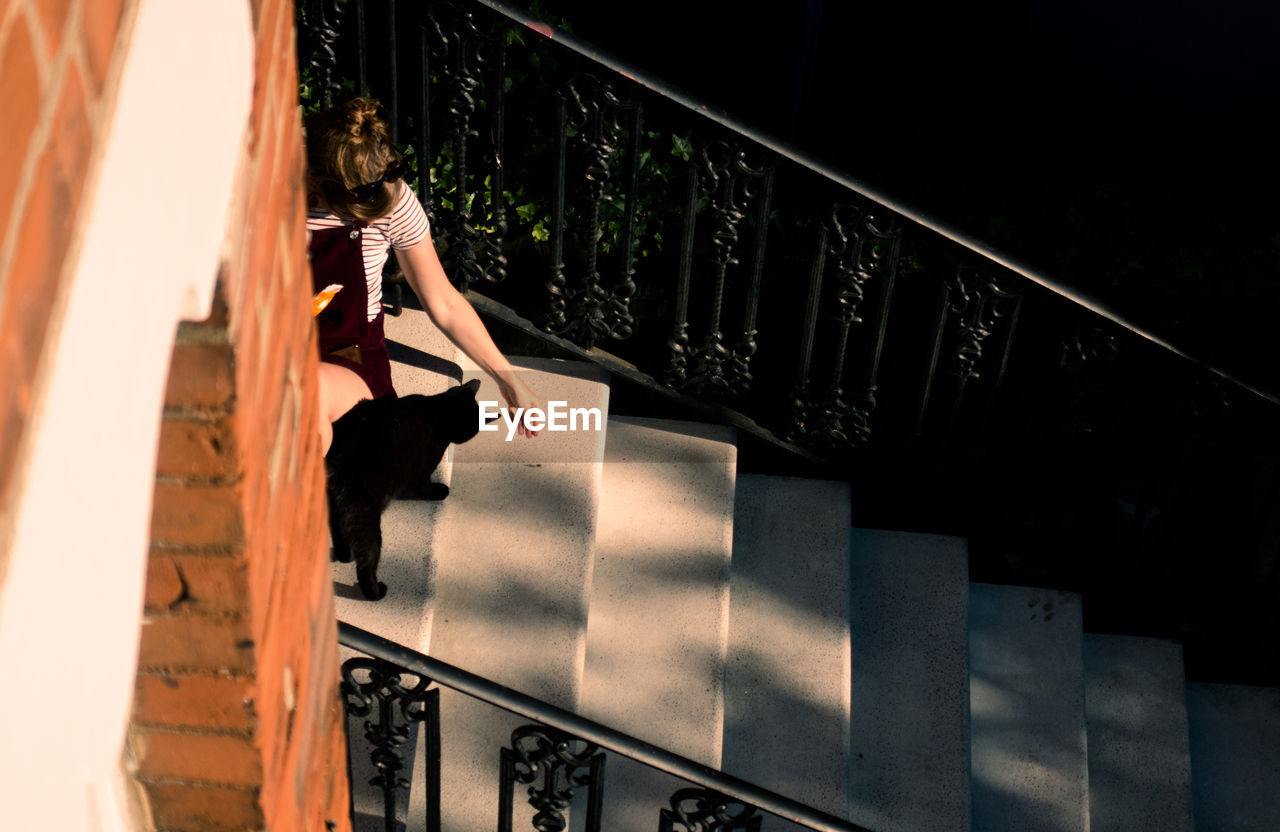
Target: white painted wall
<point x="71" y="604"/>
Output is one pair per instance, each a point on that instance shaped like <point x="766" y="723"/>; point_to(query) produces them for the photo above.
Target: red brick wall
<point x="58" y="66"/>
<point x="237" y="719"/>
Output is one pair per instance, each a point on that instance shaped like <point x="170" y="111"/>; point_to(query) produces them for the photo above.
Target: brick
<point x="73" y="138"/>
<point x="200" y="758"/>
<point x="194" y="514"/>
<point x="201" y="377"/>
<point x="283" y="426"/>
<point x="187" y="700"/>
<point x="278" y="690"/>
<point x="100" y="22"/>
<point x="319" y="603"/>
<point x="183" y="808"/>
<point x="258" y="427"/>
<point x="213" y="329"/>
<point x="12" y="422"/>
<point x="196" y="583"/>
<point x="32" y="281"/>
<point x="197" y="643"/>
<point x="16" y="380"/>
<point x="215" y="583"/>
<point x="52" y="15"/>
<point x="165" y="588"/>
<point x="246" y="337"/>
<point x="270" y="22"/>
<point x="197" y="448"/>
<point x="20" y="85"/>
<point x="264" y="583"/>
<point x="49" y="222"/>
<point x="30" y="293"/>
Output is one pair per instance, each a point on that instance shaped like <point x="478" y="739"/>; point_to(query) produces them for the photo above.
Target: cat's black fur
<point x="383" y="448"/>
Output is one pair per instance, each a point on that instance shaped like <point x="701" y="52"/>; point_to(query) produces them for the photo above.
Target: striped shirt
<point x="404" y="227"/>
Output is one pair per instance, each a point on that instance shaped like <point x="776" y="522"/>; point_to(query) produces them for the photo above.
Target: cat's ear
<point x="473" y="386"/>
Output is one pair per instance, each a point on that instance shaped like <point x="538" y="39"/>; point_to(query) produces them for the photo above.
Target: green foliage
<point x="310" y="93"/>
<point x="531" y="140"/>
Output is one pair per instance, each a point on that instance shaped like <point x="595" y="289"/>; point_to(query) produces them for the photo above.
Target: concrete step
<point x="513" y="573"/>
<point x="1029" y="757"/>
<point x="1139" y="762"/>
<point x="423" y="361"/>
<point x="787" y="671"/>
<point x="909" y="744"/>
<point x="408" y="526"/>
<point x="659" y="612"/>
<point x="1235" y="757"/>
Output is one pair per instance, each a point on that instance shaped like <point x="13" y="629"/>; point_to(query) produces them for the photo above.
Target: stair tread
<point x="1235" y="756"/>
<point x="423" y="360"/>
<point x="788" y="611"/>
<point x="513" y="569"/>
<point x="662" y="544"/>
<point x="660" y="602"/>
<point x="1139" y="760"/>
<point x="909" y="757"/>
<point x="408" y="527"/>
<point x="1026" y="669"/>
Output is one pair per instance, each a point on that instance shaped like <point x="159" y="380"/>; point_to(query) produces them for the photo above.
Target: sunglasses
<point x="398" y="169"/>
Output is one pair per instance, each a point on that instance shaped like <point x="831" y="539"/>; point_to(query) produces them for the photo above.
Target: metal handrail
<point x="529" y="707"/>
<point x="905" y="209"/>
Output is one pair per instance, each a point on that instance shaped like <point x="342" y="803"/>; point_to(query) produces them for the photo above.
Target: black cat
<point x="383" y="448"/>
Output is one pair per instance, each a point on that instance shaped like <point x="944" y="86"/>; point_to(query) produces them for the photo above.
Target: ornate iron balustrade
<point x="393" y="688"/>
<point x="585" y="203"/>
<point x="665" y="286"/>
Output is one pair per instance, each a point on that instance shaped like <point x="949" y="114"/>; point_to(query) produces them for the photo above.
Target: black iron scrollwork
<point x="391" y="700"/>
<point x="856" y="260"/>
<point x="677" y="372"/>
<point x="1084" y="345"/>
<point x="979" y="301"/>
<point x="701" y="810"/>
<point x="723" y="175"/>
<point x="319" y="24"/>
<point x="557" y="764"/>
<point x="465" y="52"/>
<point x="599" y="118"/>
<point x="858" y="246"/>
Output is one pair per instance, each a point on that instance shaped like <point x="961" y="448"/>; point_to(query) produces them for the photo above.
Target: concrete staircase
<point x="634" y="575"/>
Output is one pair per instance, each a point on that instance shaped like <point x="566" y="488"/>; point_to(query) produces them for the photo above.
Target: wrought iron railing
<point x="586" y="203"/>
<point x="391" y="689"/>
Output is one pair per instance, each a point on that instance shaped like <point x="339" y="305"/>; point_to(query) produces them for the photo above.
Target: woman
<point x="359" y="208"/>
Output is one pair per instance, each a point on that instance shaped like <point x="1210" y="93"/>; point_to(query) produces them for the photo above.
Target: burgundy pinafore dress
<point x="347" y="337"/>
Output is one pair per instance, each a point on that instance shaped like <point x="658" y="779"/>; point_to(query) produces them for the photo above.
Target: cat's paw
<point x="428" y="491"/>
<point x="340" y="554"/>
<point x="373" y="590"/>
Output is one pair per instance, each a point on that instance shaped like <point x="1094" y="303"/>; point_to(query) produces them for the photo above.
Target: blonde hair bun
<point x="347" y="146"/>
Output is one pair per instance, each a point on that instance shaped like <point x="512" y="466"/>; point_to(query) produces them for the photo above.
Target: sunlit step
<point x="513" y="573"/>
<point x="660" y="603"/>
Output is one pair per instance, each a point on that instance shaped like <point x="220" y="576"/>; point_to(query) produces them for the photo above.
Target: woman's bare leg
<point x="339" y="390"/>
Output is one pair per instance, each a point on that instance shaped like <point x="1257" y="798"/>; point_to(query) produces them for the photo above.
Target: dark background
<point x="1125" y="147"/>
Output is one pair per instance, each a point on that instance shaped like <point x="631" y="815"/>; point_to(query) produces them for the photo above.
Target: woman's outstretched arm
<point x="458" y="320"/>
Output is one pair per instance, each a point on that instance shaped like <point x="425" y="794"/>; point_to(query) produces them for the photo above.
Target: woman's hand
<point x="518" y="395"/>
